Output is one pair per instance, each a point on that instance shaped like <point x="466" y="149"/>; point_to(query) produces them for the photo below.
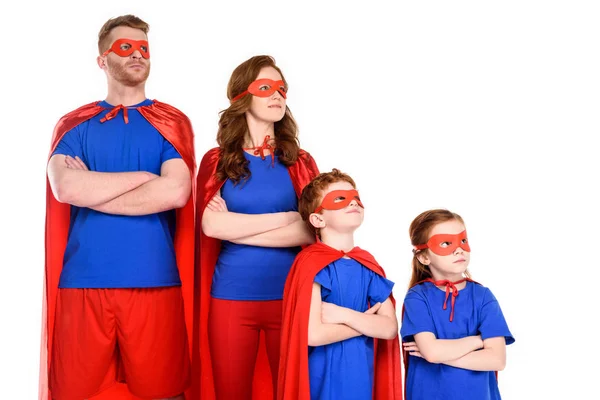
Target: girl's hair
<point x="419" y="231"/>
<point x="233" y="127"/>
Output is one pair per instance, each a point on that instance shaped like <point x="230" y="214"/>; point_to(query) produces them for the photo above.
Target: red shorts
<point x="143" y="330"/>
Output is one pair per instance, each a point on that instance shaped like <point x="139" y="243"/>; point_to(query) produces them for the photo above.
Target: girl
<point x="251" y="231"/>
<point x="452" y="327"/>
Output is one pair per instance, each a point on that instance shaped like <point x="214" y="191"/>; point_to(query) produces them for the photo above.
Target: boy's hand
<point x="332" y="314"/>
<point x="374" y="309"/>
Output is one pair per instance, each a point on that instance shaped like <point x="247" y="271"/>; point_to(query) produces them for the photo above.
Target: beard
<point x="122" y="74"/>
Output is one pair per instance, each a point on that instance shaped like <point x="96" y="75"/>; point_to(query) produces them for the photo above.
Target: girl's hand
<point x="412" y="348"/>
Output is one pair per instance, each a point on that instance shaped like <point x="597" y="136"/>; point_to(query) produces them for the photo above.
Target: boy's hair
<point x="313" y="193"/>
<point x="125" y="20"/>
<point x="419" y="231"/>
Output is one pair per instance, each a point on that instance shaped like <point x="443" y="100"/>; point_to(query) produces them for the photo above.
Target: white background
<point x="487" y="109"/>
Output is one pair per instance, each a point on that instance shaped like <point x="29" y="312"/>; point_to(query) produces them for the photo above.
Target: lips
<point x="275" y="106"/>
<point x="460" y="261"/>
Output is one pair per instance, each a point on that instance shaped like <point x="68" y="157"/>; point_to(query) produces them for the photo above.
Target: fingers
<point x="374" y="309"/>
<point x="81" y="163"/>
<point x="412" y="348"/>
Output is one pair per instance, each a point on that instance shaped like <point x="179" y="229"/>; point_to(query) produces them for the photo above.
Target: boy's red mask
<point x="445" y="244"/>
<point x="264" y="88"/>
<point x="126" y="47"/>
<point x="338" y="199"/>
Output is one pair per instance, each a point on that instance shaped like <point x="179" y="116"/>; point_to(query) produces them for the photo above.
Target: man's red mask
<point x="264" y="88"/>
<point x="126" y="47"/>
<point x="338" y="199"/>
<point x="445" y="244"/>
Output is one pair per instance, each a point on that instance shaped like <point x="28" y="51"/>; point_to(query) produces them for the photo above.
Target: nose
<point x="136" y="54"/>
<point x="459" y="250"/>
<point x="354" y="203"/>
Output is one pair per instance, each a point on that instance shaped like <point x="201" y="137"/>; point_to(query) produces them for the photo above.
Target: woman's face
<point x="271" y="108"/>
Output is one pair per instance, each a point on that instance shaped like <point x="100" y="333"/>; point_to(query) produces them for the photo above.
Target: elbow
<point x="314" y="338"/>
<point x="391" y="329"/>
<point x="501" y="364"/>
<point x="181" y="195"/>
<point x="181" y="200"/>
<point x="207" y="228"/>
<point x="62" y="193"/>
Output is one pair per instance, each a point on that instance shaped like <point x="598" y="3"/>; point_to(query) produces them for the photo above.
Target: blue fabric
<point x="245" y="272"/>
<point x="344" y="370"/>
<point x="476" y="312"/>
<point x="117" y="251"/>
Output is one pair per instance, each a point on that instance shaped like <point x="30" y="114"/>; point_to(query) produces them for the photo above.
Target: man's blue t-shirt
<point x="476" y="312"/>
<point x="119" y="251"/>
<point x="344" y="370"/>
<point x="244" y="272"/>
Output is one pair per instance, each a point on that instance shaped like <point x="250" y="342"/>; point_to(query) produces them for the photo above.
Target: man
<point x="119" y="237"/>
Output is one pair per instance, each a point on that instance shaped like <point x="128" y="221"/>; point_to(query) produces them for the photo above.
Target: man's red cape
<point x="176" y="128"/>
<point x="293" y="362"/>
<point x="207" y="252"/>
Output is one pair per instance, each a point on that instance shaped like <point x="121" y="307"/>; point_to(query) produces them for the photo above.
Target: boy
<point x="349" y="350"/>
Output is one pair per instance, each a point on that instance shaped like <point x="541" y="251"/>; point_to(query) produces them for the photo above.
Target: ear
<point x="317" y="220"/>
<point x="101" y="62"/>
<point x="422" y="257"/>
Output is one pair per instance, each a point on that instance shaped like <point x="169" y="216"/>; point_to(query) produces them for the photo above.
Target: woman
<point x="251" y="231"/>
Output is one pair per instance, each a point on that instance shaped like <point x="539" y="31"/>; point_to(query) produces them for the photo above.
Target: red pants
<point x="97" y="329"/>
<point x="234" y="329"/>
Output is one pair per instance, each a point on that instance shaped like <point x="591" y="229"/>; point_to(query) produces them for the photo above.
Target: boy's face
<point x="344" y="220"/>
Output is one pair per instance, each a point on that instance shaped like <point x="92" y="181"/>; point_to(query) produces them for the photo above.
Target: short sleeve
<point x="380" y="288"/>
<point x="169" y="152"/>
<point x="416" y="317"/>
<point x="492" y="322"/>
<point x="323" y="278"/>
<point x="70" y="144"/>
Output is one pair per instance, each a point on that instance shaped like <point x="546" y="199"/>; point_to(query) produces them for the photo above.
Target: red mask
<point x="445" y="244"/>
<point x="338" y="199"/>
<point x="264" y="88"/>
<point x="126" y="47"/>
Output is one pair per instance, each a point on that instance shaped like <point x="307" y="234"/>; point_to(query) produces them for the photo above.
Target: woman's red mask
<point x="126" y="47"/>
<point x="338" y="199"/>
<point x="445" y="244"/>
<point x="264" y="88"/>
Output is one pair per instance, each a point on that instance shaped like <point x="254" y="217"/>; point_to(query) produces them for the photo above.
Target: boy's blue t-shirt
<point x="344" y="370"/>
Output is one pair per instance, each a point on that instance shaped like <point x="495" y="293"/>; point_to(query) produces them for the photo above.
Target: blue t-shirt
<point x="476" y="312"/>
<point x="119" y="251"/>
<point x="344" y="370"/>
<point x="245" y="272"/>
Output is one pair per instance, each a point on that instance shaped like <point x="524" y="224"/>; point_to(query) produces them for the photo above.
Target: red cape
<point x="207" y="251"/>
<point x="176" y="128"/>
<point x="293" y="362"/>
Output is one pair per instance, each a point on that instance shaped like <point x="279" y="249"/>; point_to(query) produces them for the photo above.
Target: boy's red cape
<point x="293" y="365"/>
<point x="176" y="128"/>
<point x="207" y="252"/>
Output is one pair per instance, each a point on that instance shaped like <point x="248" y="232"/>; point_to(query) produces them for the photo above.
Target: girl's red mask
<point x="338" y="199"/>
<point x="445" y="244"/>
<point x="126" y="47"/>
<point x="264" y="88"/>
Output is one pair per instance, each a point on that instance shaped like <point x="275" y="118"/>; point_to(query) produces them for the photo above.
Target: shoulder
<point x="482" y="293"/>
<point x="169" y="108"/>
<point x="418" y="291"/>
<point x="210" y="158"/>
<point x="305" y="156"/>
<point x="78" y="111"/>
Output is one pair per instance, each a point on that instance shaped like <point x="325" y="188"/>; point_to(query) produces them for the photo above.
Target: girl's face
<point x="453" y="265"/>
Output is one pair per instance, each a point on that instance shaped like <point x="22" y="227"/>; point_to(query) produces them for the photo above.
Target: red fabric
<point x="149" y="326"/>
<point x="176" y="128"/>
<point x="234" y="329"/>
<point x="293" y="365"/>
<point x="207" y="252"/>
